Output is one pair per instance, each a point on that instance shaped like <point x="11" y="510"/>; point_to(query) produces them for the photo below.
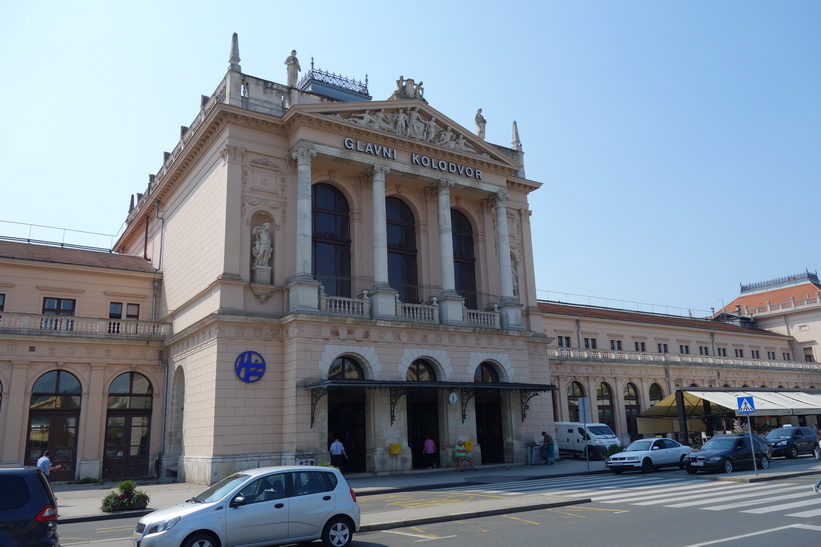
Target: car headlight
<point x="714" y="459"/>
<point x="600" y="443"/>
<point x="161" y="526"/>
<point x="780" y="443"/>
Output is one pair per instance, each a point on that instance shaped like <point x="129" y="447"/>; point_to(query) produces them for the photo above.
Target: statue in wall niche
<point x="292" y="64"/>
<point x="481" y="122"/>
<point x="263" y="249"/>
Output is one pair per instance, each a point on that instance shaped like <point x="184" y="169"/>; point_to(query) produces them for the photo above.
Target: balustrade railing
<point x="418" y="313"/>
<point x="340" y="305"/>
<point x="29" y="323"/>
<point x="476" y="318"/>
<point x="571" y="354"/>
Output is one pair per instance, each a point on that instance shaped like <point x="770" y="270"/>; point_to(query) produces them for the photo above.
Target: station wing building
<point x="308" y="264"/>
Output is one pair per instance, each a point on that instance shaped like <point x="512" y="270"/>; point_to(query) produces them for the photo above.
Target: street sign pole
<point x="746" y="405"/>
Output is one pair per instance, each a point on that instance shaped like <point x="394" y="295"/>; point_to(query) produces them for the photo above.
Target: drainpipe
<point x="158" y="460"/>
<point x="579" y="333"/>
<point x="159" y="261"/>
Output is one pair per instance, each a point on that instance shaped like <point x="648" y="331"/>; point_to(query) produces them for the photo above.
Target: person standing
<point x="547" y="448"/>
<point x="44" y="463"/>
<point x="429" y="452"/>
<point x="338" y="454"/>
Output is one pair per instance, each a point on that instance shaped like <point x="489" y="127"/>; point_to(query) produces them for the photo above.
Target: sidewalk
<point x="79" y="503"/>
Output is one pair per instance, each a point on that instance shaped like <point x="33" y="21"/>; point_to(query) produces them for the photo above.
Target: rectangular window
<point x="115" y="310"/>
<point x="756" y="354"/>
<point x="785" y="356"/>
<point x="739" y="352"/>
<point x="770" y="355"/>
<point x="808" y="356"/>
<point x="615" y="345"/>
<point x="662" y="348"/>
<point x="2" y="302"/>
<point x="684" y="349"/>
<point x="590" y="343"/>
<point x="703" y="350"/>
<point x="721" y="352"/>
<point x="640" y="346"/>
<point x="58" y="306"/>
<point x="564" y="341"/>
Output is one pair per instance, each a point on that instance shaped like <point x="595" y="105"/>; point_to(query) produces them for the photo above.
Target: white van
<point x="577" y="439"/>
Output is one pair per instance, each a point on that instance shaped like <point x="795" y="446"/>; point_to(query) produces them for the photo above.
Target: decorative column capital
<point x="303" y="155"/>
<point x="232" y="153"/>
<point x="500" y="198"/>
<point x="379" y="170"/>
<point x="444" y="185"/>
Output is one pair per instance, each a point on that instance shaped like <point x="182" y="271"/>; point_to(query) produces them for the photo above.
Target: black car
<point x="726" y="453"/>
<point x="792" y="441"/>
<point x="28" y="508"/>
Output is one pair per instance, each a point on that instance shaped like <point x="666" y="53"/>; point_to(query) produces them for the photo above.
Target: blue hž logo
<point x="249" y="366"/>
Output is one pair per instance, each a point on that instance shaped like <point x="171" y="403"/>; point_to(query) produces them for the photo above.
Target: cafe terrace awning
<point x="464" y="391"/>
<point x="767" y="403"/>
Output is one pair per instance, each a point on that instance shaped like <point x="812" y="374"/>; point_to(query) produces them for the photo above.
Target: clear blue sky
<point x="678" y="142"/>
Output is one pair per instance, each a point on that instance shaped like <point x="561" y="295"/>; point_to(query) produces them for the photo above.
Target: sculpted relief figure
<point x="445" y="138"/>
<point x="364" y="119"/>
<point x="431" y="129"/>
<point x="292" y="64"/>
<point x="262" y="249"/>
<point x="400" y="124"/>
<point x="416" y="127"/>
<point x="480" y="124"/>
<point x="381" y="120"/>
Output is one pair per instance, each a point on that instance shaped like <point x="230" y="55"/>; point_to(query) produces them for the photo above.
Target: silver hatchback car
<point x="265" y="506"/>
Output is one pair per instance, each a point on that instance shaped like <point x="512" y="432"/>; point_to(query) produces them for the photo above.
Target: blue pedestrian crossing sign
<point x="746" y="405"/>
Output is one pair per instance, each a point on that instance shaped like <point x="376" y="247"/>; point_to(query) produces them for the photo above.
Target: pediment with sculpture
<point x="415" y="123"/>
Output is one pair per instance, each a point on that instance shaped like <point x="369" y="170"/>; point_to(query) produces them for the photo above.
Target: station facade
<point x="310" y="264"/>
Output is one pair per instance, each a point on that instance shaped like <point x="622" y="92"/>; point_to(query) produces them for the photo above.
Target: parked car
<point x="264" y="506"/>
<point x="28" y="508"/>
<point x="727" y="453"/>
<point x="792" y="441"/>
<point x="647" y="455"/>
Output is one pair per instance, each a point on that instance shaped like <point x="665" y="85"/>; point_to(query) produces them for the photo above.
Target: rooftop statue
<point x="481" y="122"/>
<point x="408" y="89"/>
<point x="292" y="64"/>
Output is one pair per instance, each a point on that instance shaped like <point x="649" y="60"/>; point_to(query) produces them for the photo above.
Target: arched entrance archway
<point x="422" y="410"/>
<point x="631" y="410"/>
<point x="54" y="414"/>
<point x="604" y="401"/>
<point x="128" y="427"/>
<point x="574" y="391"/>
<point x="346" y="412"/>
<point x="488" y="404"/>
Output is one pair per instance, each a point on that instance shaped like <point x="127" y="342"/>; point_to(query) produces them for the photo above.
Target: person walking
<point x="429" y="452"/>
<point x="44" y="463"/>
<point x="338" y="454"/>
<point x="547" y="448"/>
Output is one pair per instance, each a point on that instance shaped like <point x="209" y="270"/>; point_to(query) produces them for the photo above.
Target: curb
<point x="467" y="515"/>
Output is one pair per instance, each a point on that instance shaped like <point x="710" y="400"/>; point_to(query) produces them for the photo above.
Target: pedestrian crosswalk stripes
<point x="787" y="498"/>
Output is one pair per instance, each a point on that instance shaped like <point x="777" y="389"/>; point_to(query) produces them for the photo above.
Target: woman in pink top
<point x="429" y="452"/>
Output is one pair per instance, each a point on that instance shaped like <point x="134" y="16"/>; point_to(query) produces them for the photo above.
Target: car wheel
<point x="200" y="540"/>
<point x="337" y="533"/>
<point x="728" y="466"/>
<point x="765" y="462"/>
<point x="681" y="464"/>
<point x="793" y="452"/>
<point x="647" y="465"/>
<point x="691" y="470"/>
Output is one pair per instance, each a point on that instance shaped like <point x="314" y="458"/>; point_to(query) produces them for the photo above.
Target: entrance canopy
<point x="766" y="402"/>
<point x="465" y="391"/>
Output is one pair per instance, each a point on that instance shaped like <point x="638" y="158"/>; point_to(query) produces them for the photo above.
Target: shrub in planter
<point x="127" y="498"/>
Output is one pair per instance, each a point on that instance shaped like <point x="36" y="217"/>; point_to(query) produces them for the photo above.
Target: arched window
<point x="56" y="390"/>
<point x="54" y="415"/>
<point x="574" y="391"/>
<point x="331" y="240"/>
<point x="345" y="368"/>
<point x="693" y="384"/>
<point x="632" y="407"/>
<point x="464" y="259"/>
<point x="401" y="232"/>
<point x="485" y="373"/>
<point x="128" y="426"/>
<point x="131" y="390"/>
<point x="656" y="394"/>
<point x="604" y="401"/>
<point x="421" y="371"/>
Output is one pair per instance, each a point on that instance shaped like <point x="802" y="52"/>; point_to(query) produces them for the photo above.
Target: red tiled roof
<point x="774" y="296"/>
<point x="614" y="314"/>
<point x="76" y="257"/>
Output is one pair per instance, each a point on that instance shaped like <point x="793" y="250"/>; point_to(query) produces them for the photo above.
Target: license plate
<point x="697" y="464"/>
